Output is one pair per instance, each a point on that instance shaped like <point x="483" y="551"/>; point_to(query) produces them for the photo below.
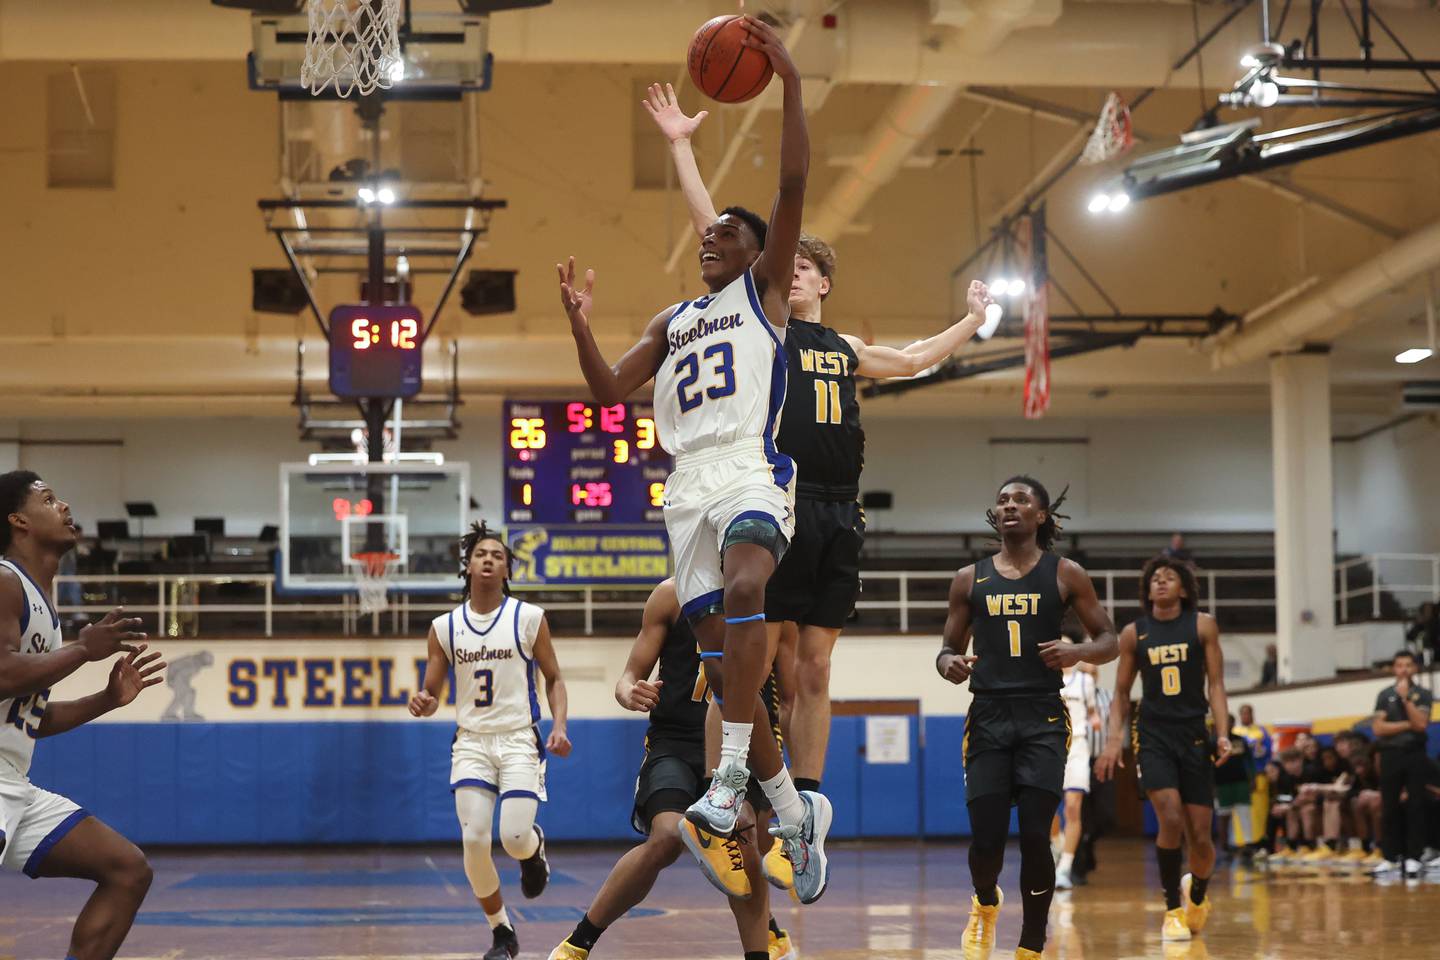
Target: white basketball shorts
<point x="1077" y="764"/>
<point x="510" y="764"/>
<point x="32" y="821"/>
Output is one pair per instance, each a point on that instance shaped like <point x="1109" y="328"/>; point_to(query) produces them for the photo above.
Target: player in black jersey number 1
<point x="1017" y="734"/>
<point x="1176" y="650"/>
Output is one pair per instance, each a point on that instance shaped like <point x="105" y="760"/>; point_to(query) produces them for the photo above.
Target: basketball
<point x="722" y="66"/>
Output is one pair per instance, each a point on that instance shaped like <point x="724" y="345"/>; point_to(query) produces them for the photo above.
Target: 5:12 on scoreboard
<point x="575" y="461"/>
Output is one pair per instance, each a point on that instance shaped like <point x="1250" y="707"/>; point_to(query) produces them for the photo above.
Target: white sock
<point x="735" y="743"/>
<point x="1066" y="859"/>
<point x="780" y="791"/>
<point x="498" y="919"/>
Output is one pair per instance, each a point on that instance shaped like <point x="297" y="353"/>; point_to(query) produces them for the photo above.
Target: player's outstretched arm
<point x="880" y="361"/>
<point x="663" y="107"/>
<point x="1109" y="758"/>
<point x="129" y="677"/>
<point x="24" y="674"/>
<point x="635" y="691"/>
<point x="558" y="742"/>
<point x="609" y="385"/>
<point x="952" y="662"/>
<point x="1102" y="647"/>
<point x="437" y="670"/>
<point x="776" y="266"/>
<point x="1209" y="632"/>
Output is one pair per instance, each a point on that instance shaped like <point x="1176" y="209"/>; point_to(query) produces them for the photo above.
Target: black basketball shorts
<point x="1016" y="741"/>
<point x="1175" y="755"/>
<point x="818" y="580"/>
<point x="671" y="771"/>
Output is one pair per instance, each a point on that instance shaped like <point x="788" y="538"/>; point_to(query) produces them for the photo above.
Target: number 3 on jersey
<point x="722" y="369"/>
<point x="486" y="680"/>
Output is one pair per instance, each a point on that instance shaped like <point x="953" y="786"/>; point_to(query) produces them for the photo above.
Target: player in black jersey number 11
<point x="1176" y="650"/>
<point x="1017" y="733"/>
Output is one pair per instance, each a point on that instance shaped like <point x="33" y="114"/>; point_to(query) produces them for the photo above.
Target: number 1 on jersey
<point x="1014" y="627"/>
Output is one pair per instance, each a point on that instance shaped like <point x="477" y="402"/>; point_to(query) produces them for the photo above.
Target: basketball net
<point x="1037" y="317"/>
<point x="1112" y="135"/>
<point x="372" y="580"/>
<point x="352" y="45"/>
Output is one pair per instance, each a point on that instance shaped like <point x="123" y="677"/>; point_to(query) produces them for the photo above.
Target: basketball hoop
<point x="1112" y="135"/>
<point x="353" y="45"/>
<point x="372" y="579"/>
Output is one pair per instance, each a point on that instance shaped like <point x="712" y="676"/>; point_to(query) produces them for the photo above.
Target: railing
<point x="1422" y="569"/>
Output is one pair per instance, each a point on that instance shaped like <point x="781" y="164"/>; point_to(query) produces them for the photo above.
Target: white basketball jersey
<point x="494" y="659"/>
<point x="1078" y="694"/>
<point x="20" y="716"/>
<point x="723" y="376"/>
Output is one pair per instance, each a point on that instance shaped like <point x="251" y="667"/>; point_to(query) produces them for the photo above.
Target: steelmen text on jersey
<point x="1171" y="658"/>
<point x="1011" y="618"/>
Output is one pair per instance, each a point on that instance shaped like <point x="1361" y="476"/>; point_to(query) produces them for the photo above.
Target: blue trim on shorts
<point x="750" y="619"/>
<point x="782" y="468"/>
<point x="42" y="851"/>
<point x="712" y="656"/>
<point x="539" y="743"/>
<point x="520" y="794"/>
<point x="704" y="600"/>
<point x="474" y="782"/>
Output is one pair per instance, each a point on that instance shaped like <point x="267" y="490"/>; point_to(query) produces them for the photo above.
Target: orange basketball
<point x="722" y="66"/>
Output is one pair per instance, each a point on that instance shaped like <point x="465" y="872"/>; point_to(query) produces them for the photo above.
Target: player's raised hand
<point x="424" y="704"/>
<point x="978" y="297"/>
<point x="1059" y="654"/>
<point x="132" y="673"/>
<point x="558" y="743"/>
<point x="577" y="303"/>
<point x="956" y="667"/>
<point x="762" y="37"/>
<point x="642" y="696"/>
<point x="1108" y="762"/>
<point x="110" y="635"/>
<point x="664" y="109"/>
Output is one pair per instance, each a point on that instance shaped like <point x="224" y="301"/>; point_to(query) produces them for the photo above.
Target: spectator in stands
<point x="1260" y="745"/>
<point x="1423" y="635"/>
<point x="1366" y="804"/>
<point x="1234" y="779"/>
<point x="1255" y="735"/>
<point x="1270" y="669"/>
<point x="1282" y="833"/>
<point x="1322" y="803"/>
<point x="1402" y="712"/>
<point x="1177" y="551"/>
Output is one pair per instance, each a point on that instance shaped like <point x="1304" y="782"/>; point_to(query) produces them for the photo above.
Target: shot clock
<point x="569" y="462"/>
<point x="375" y="351"/>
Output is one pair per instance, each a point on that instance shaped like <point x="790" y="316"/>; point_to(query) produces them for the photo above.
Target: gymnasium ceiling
<point x="137" y="296"/>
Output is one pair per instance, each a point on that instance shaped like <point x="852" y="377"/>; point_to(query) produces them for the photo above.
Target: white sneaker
<point x="805" y="847"/>
<point x="1386" y="868"/>
<point x="717" y="810"/>
<point x="1063" y="881"/>
<point x="1413" y="868"/>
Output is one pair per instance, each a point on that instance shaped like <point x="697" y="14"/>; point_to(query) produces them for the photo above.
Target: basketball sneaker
<point x="716" y="812"/>
<point x="1413" y="868"/>
<point x="780" y="947"/>
<point x="778" y="869"/>
<point x="1063" y="880"/>
<point x="1022" y="954"/>
<point x="719" y="858"/>
<point x="568" y="951"/>
<point x="1175" y="928"/>
<point x="1387" y="868"/>
<point x="535" y="869"/>
<point x="1195" y="913"/>
<point x="805" y="846"/>
<point x="980" y="928"/>
<point x="507" y="945"/>
<point x="1317" y="856"/>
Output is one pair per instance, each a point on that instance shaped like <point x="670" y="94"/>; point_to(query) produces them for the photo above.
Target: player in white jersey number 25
<point x="41" y="833"/>
<point x="718" y="362"/>
<point x="496" y="645"/>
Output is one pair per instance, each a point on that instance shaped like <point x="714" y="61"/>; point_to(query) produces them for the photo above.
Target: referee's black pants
<point x="1404" y="771"/>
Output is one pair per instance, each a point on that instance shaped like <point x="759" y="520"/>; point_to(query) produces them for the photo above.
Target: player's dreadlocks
<point x="481" y="531"/>
<point x="1190" y="585"/>
<point x="1049" y="531"/>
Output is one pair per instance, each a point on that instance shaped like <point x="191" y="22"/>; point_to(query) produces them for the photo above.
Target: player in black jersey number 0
<point x="1017" y="734"/>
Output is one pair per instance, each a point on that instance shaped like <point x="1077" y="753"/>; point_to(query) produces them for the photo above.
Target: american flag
<point x="1037" y="322"/>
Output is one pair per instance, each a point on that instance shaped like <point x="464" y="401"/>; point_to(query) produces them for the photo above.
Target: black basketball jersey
<point x="820" y="427"/>
<point x="1010" y="619"/>
<point x="680" y="714"/>
<point x="1172" y="668"/>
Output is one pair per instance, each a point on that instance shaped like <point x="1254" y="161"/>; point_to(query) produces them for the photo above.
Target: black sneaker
<point x="535" y="869"/>
<point x="506" y="947"/>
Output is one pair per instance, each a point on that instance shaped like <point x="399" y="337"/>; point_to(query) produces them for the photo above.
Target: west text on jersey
<point x="1012" y="604"/>
<point x="1168" y="653"/>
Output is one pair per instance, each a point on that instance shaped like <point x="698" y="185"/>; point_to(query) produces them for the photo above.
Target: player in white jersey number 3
<point x="41" y="833"/>
<point x="719" y="368"/>
<point x="496" y="644"/>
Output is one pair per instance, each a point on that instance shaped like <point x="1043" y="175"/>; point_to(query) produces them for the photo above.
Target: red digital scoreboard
<point x="376" y="351"/>
<point x="576" y="461"/>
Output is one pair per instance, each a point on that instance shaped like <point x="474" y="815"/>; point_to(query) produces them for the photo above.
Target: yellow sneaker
<point x="1372" y="858"/>
<point x="719" y="859"/>
<point x="780" y="947"/>
<point x="1175" y="928"/>
<point x="1022" y="954"/>
<point x="1195" y="913"/>
<point x="568" y="951"/>
<point x="980" y="929"/>
<point x="1318" y="855"/>
<point x="778" y="868"/>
